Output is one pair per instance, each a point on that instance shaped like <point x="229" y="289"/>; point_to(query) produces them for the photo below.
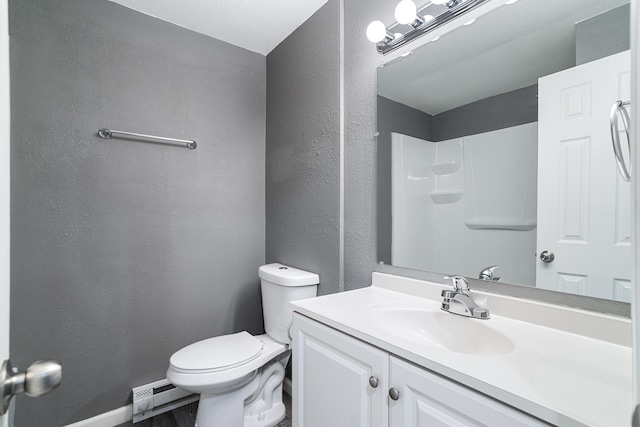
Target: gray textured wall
<point x="603" y="35"/>
<point x="303" y="149"/>
<point x="361" y="60"/>
<point x="123" y="252"/>
<point x="513" y="108"/>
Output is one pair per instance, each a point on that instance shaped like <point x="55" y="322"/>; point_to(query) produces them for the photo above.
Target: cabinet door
<point x="331" y="378"/>
<point x="426" y="399"/>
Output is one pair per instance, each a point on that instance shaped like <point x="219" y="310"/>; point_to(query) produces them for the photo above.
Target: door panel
<point x="583" y="204"/>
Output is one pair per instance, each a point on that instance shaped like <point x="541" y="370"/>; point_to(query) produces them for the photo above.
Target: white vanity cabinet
<point x="340" y="381"/>
<point x="427" y="399"/>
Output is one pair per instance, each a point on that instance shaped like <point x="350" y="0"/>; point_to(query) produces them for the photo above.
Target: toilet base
<point x="265" y="408"/>
<point x="268" y="418"/>
<point x="257" y="403"/>
<point x="226" y="409"/>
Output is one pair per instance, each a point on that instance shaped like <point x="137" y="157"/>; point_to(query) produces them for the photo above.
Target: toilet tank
<point x="281" y="284"/>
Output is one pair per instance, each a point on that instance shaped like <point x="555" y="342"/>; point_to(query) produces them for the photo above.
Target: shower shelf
<point x="445" y="168"/>
<point x="443" y="197"/>
<point x="494" y="224"/>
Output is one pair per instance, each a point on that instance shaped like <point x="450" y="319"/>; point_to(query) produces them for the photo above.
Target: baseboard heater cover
<point x="158" y="397"/>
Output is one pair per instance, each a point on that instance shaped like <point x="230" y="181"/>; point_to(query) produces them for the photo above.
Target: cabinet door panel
<point x="428" y="400"/>
<point x="331" y="373"/>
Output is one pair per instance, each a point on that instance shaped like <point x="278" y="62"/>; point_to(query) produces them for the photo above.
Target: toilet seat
<point x="217" y="354"/>
<point x="210" y="382"/>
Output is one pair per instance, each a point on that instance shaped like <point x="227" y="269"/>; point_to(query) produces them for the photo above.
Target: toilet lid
<point x="218" y="353"/>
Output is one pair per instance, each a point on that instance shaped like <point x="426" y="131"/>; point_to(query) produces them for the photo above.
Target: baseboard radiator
<point x="158" y="397"/>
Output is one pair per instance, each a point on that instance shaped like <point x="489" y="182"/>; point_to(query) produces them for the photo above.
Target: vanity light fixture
<point x="388" y="39"/>
<point x="407" y="14"/>
<point x="377" y="33"/>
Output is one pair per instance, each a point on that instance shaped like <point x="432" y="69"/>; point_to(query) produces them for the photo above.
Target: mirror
<point x="494" y="148"/>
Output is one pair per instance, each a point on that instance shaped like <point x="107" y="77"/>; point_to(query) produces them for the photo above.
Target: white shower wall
<point x="487" y="180"/>
<point x="412" y="211"/>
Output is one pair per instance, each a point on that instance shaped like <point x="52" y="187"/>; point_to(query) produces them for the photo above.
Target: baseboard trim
<point x="287" y="386"/>
<point x="108" y="419"/>
<point x="125" y="414"/>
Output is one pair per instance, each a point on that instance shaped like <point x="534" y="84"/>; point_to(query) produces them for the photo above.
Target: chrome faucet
<point x="487" y="274"/>
<point x="459" y="301"/>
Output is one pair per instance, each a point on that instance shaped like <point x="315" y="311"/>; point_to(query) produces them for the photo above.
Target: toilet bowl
<point x="239" y="376"/>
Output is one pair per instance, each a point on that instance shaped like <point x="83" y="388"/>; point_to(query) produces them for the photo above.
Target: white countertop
<point x="567" y="367"/>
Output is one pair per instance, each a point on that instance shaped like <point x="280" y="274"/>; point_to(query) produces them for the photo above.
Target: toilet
<point x="239" y="376"/>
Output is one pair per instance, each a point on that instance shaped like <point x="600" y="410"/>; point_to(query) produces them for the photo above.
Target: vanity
<point x="387" y="355"/>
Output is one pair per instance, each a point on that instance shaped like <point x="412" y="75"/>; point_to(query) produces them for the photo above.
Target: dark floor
<point x="186" y="417"/>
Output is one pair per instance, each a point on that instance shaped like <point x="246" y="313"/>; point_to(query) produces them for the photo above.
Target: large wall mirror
<point x="494" y="149"/>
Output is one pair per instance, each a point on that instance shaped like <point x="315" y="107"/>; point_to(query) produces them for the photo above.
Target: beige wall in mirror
<point x="494" y="150"/>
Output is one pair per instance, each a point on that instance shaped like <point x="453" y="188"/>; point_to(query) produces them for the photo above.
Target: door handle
<point x="547" y="256"/>
<point x="40" y="378"/>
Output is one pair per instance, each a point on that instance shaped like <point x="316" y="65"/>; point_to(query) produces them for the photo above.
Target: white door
<point x="584" y="207"/>
<point x="338" y="381"/>
<point x="419" y="398"/>
<point x="4" y="188"/>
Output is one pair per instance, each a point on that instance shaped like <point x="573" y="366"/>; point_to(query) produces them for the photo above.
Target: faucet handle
<point x="460" y="283"/>
<point x="487" y="274"/>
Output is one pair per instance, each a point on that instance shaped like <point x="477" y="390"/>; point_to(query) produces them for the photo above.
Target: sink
<point x="435" y="327"/>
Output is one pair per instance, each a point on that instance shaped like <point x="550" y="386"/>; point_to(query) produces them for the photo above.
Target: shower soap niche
<point x="445" y="168"/>
<point x="500" y="224"/>
<point x="443" y="197"/>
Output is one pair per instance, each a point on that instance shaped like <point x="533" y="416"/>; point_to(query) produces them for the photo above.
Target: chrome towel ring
<point x="618" y="109"/>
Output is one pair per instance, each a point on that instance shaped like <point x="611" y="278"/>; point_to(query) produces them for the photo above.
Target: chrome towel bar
<point x="108" y="133"/>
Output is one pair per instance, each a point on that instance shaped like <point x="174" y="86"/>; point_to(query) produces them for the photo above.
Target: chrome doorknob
<point x="40" y="378"/>
<point x="547" y="256"/>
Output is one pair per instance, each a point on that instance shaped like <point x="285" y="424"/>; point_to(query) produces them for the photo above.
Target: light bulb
<point x="406" y="12"/>
<point x="376" y="32"/>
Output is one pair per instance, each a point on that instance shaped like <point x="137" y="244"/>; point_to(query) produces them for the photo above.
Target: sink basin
<point x="436" y="327"/>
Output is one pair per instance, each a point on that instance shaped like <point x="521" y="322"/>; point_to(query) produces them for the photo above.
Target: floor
<point x="186" y="417"/>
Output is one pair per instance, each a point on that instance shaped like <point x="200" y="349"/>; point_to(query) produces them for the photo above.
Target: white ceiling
<point x="506" y="49"/>
<point x="256" y="25"/>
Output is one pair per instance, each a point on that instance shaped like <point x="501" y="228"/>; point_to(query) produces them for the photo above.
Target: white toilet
<point x="239" y="376"/>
